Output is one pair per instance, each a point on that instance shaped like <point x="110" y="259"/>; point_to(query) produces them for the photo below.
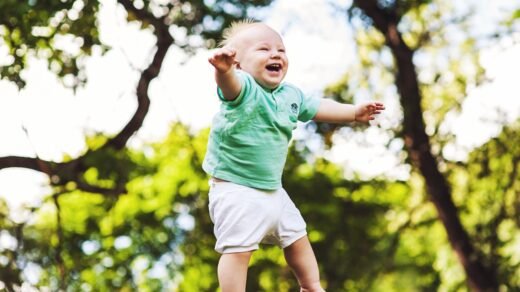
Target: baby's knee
<point x="312" y="287"/>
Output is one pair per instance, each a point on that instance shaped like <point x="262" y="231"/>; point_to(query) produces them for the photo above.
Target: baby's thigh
<point x="242" y="216"/>
<point x="291" y="226"/>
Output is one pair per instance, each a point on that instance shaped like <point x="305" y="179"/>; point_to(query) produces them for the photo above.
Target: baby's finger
<point x="380" y="106"/>
<point x="220" y="54"/>
<point x="212" y="59"/>
<point x="223" y="53"/>
<point x="230" y="52"/>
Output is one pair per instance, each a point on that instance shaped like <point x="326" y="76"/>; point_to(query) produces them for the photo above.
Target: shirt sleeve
<point x="308" y="107"/>
<point x="244" y="90"/>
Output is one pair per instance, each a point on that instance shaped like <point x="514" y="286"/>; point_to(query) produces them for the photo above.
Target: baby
<point x="247" y="150"/>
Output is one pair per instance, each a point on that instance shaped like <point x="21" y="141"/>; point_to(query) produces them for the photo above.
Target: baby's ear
<point x="237" y="65"/>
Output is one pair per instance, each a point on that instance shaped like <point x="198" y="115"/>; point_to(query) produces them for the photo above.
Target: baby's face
<point x="261" y="53"/>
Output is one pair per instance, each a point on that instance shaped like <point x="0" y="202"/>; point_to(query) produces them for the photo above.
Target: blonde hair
<point x="234" y="28"/>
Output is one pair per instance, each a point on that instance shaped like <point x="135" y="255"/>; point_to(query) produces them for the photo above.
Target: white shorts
<point x="243" y="217"/>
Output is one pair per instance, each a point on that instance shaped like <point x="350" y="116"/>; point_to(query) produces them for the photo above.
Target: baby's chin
<point x="269" y="84"/>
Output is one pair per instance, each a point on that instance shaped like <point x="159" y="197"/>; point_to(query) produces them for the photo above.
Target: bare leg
<point x="232" y="271"/>
<point x="302" y="261"/>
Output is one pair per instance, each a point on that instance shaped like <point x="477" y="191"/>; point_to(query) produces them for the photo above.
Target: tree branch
<point x="26" y="162"/>
<point x="61" y="173"/>
<point x="163" y="43"/>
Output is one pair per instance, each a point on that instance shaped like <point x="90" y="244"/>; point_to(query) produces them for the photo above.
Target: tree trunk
<point x="479" y="277"/>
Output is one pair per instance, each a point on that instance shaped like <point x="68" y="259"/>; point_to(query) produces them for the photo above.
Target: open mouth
<point x="274" y="67"/>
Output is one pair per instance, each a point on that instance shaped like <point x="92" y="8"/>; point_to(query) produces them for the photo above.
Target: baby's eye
<point x="263" y="49"/>
<point x="281" y="50"/>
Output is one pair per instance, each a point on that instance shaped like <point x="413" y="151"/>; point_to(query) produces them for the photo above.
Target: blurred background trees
<point x="120" y="218"/>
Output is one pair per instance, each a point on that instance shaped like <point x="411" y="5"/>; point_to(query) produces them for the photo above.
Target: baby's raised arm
<point x="331" y="111"/>
<point x="223" y="59"/>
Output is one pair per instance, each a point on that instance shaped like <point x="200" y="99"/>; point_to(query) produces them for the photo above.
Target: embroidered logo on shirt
<point x="294" y="108"/>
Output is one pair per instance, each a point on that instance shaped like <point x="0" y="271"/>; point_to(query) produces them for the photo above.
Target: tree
<point x="488" y="183"/>
<point x="82" y="241"/>
<point x="31" y="28"/>
<point x="114" y="219"/>
<point x="406" y="29"/>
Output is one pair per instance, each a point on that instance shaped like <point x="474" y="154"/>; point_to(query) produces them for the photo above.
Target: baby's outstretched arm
<point x="223" y="59"/>
<point x="331" y="111"/>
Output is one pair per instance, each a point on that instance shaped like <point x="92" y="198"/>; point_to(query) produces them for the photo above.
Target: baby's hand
<point x="223" y="59"/>
<point x="365" y="112"/>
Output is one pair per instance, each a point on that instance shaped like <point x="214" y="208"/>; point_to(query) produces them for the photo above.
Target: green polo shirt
<point x="250" y="135"/>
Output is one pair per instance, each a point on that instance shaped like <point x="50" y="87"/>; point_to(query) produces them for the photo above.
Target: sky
<point x="320" y="51"/>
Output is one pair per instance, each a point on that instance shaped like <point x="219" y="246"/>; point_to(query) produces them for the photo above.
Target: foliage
<point x="38" y="28"/>
<point x="80" y="239"/>
<point x="362" y="232"/>
<point x="488" y="188"/>
<point x="377" y="235"/>
<point x="426" y="55"/>
<point x="35" y="28"/>
<point x="10" y="271"/>
<point x="90" y="242"/>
